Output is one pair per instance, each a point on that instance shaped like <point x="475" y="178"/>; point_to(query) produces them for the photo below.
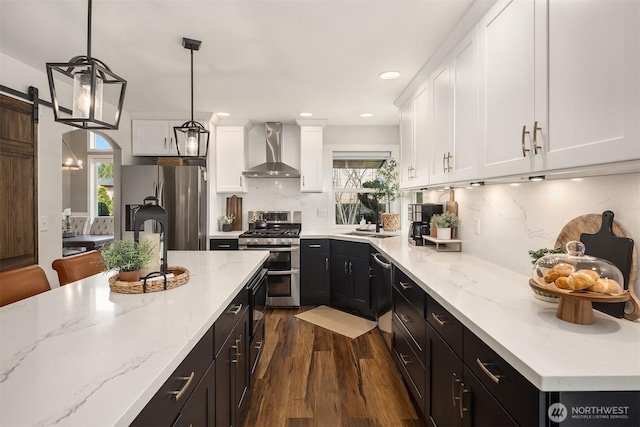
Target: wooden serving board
<point x="234" y="207"/>
<point x="592" y="224"/>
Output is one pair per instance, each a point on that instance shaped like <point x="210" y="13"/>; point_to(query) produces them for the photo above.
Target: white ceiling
<point x="263" y="60"/>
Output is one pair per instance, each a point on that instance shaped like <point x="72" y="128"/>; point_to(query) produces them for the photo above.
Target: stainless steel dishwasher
<point x="381" y="287"/>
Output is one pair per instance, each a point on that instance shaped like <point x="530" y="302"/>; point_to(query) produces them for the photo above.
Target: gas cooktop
<point x="271" y="232"/>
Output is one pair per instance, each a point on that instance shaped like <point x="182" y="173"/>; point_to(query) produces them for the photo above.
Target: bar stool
<point x="22" y="283"/>
<point x="76" y="267"/>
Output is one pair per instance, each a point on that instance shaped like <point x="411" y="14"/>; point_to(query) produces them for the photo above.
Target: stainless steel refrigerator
<point x="181" y="191"/>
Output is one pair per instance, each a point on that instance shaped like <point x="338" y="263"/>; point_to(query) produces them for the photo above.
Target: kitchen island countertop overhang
<point x="82" y="355"/>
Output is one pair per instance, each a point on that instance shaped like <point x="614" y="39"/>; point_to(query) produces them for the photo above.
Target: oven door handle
<point x="282" y="272"/>
<point x="276" y="249"/>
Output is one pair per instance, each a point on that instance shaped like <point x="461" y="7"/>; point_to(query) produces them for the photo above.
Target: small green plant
<point x="226" y="219"/>
<point x="536" y="255"/>
<point x="444" y="220"/>
<point x="386" y="184"/>
<point x="127" y="255"/>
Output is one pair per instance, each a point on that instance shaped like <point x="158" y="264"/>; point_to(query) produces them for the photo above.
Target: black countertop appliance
<point x="420" y="214"/>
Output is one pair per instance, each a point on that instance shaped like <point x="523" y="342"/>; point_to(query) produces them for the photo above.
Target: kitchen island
<point x="498" y="306"/>
<point x="82" y="355"/>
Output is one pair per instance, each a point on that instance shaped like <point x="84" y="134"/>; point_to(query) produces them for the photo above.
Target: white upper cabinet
<point x="154" y="137"/>
<point x="454" y="114"/>
<point x="231" y="150"/>
<point x="593" y="64"/>
<point x="407" y="157"/>
<point x="311" y="177"/>
<point x="507" y="88"/>
<point x="560" y="85"/>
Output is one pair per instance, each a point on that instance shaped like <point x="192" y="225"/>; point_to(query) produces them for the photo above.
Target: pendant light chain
<point x="191" y="84"/>
<point x="89" y="32"/>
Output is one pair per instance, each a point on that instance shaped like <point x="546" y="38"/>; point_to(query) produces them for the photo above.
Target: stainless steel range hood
<point x="273" y="167"/>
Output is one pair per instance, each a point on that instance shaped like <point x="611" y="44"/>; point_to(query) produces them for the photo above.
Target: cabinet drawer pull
<point x="524" y="133"/>
<point x="345" y="268"/>
<point x="404" y="359"/>
<point x="438" y="319"/>
<point x="315" y="246"/>
<point x="536" y="147"/>
<point x="350" y="267"/>
<point x="303" y="184"/>
<point x="326" y="263"/>
<point x="405" y="286"/>
<point x="186" y="385"/>
<point x="454" y="380"/>
<point x="462" y="408"/>
<point x="449" y="157"/>
<point x="224" y="246"/>
<point x="258" y="345"/>
<point x="444" y="158"/>
<point x="236" y="310"/>
<point x="405" y="318"/>
<point x="494" y="377"/>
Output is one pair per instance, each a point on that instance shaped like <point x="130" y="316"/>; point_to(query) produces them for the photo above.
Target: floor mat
<point x="337" y="321"/>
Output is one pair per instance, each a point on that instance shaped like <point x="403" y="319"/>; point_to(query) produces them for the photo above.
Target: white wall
<point x="19" y="76"/>
<point x="514" y="220"/>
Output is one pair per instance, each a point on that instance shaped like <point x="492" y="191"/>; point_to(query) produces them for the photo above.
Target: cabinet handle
<point x="449" y="157"/>
<point x="454" y="380"/>
<point x="164" y="144"/>
<point x="405" y="286"/>
<point x="494" y="377"/>
<point x="240" y="181"/>
<point x="350" y="267"/>
<point x="404" y="360"/>
<point x="524" y="133"/>
<point x="238" y="350"/>
<point x="186" y="385"/>
<point x="236" y="310"/>
<point x="315" y="246"/>
<point x="345" y="268"/>
<point x="536" y="147"/>
<point x="258" y="345"/>
<point x="303" y="184"/>
<point x="326" y="263"/>
<point x="462" y="408"/>
<point x="444" y="158"/>
<point x="438" y="319"/>
<point x="405" y="318"/>
<point x="224" y="246"/>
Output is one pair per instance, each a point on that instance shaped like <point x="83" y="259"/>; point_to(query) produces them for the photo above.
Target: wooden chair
<point x="76" y="267"/>
<point x="22" y="283"/>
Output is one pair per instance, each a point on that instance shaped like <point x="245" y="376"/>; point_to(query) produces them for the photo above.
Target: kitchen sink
<point x="368" y="234"/>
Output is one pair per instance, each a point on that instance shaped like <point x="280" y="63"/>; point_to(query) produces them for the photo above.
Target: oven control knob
<point x="269" y="242"/>
<point x="255" y="241"/>
<point x="289" y="241"/>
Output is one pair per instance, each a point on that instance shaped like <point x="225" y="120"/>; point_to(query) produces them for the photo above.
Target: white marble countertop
<point x="84" y="356"/>
<point x="497" y="305"/>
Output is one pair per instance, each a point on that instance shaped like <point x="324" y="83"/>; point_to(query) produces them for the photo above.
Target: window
<point x="353" y="176"/>
<point x="100" y="176"/>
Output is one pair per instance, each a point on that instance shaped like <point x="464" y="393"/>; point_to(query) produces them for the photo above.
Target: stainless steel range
<point x="278" y="232"/>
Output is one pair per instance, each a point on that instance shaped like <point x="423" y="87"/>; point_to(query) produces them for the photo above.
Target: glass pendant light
<point x="95" y="93"/>
<point x="192" y="139"/>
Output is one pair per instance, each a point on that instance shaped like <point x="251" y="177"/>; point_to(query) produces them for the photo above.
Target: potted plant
<point x="386" y="186"/>
<point x="444" y="222"/>
<point x="225" y="221"/>
<point x="127" y="257"/>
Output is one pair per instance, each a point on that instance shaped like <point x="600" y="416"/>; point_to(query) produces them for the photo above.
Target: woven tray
<point x="180" y="277"/>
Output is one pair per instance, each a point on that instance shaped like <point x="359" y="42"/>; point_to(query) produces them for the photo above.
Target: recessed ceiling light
<point x="222" y="114"/>
<point x="366" y="115"/>
<point x="306" y="114"/>
<point x="389" y="75"/>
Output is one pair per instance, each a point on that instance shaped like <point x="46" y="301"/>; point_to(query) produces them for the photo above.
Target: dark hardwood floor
<point x="310" y="376"/>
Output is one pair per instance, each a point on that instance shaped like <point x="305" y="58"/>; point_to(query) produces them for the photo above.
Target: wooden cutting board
<point x="591" y="224"/>
<point x="452" y="206"/>
<point x="234" y="207"/>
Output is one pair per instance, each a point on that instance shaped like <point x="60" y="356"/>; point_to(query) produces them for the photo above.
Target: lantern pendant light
<point x="95" y="93"/>
<point x="192" y="139"/>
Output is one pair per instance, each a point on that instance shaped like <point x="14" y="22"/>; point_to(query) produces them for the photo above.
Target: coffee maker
<point x="420" y="214"/>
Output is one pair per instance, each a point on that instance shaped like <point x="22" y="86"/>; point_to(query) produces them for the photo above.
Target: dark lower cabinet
<point x="223" y="244"/>
<point x="445" y="382"/>
<point x="350" y="286"/>
<point x="200" y="409"/>
<point x="315" y="273"/>
<point x="169" y="402"/>
<point x="232" y="374"/>
<point x="478" y="407"/>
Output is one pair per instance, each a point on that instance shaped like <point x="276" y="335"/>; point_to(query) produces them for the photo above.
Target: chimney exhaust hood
<point x="273" y="167"/>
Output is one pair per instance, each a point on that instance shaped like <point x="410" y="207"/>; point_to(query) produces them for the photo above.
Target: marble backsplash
<point x="513" y="219"/>
<point x="516" y="219"/>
